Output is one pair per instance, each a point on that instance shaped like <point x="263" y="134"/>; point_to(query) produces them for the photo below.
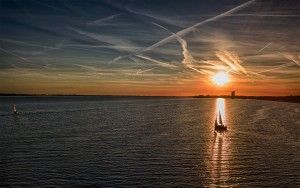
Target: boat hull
<point x="220" y="128"/>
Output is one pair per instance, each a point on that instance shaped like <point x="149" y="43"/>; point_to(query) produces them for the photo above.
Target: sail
<point x="14" y="109"/>
<point x="216" y="121"/>
<point x="220" y="118"/>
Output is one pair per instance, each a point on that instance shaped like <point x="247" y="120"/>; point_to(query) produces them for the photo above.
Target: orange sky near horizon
<point x="197" y="86"/>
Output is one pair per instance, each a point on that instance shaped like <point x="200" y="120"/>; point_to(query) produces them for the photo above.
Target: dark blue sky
<point x="149" y="47"/>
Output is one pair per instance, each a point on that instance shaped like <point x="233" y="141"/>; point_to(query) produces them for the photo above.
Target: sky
<point x="149" y="47"/>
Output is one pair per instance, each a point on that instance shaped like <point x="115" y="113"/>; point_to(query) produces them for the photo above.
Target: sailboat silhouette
<point x="15" y="110"/>
<point x="219" y="125"/>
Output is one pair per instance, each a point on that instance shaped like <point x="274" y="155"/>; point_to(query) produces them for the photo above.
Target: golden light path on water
<point x="219" y="162"/>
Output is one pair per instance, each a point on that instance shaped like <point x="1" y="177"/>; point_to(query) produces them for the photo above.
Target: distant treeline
<point x="77" y="95"/>
<point x="290" y="98"/>
<point x="21" y="94"/>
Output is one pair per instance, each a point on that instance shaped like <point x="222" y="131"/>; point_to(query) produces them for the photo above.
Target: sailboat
<point x="15" y="110"/>
<point x="219" y="125"/>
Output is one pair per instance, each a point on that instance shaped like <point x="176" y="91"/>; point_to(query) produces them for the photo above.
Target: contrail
<point x="277" y="67"/>
<point x="141" y="14"/>
<point x="188" y="59"/>
<point x="56" y="47"/>
<point x="236" y="61"/>
<point x="90" y="68"/>
<point x="232" y="60"/>
<point x="266" y="15"/>
<point x="26" y="43"/>
<point x="116" y="43"/>
<point x="157" y="62"/>
<point x="53" y="7"/>
<point x="101" y="20"/>
<point x="140" y="71"/>
<point x="267" y="45"/>
<point x="158" y="18"/>
<point x="264" y="47"/>
<point x="187" y="30"/>
<point x="22" y="58"/>
<point x="291" y="58"/>
<point x="10" y="53"/>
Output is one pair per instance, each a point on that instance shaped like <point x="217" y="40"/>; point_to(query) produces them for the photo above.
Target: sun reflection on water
<point x="219" y="161"/>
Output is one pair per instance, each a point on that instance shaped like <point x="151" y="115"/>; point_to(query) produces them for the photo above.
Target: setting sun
<point x="221" y="78"/>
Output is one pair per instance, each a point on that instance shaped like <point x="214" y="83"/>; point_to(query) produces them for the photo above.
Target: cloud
<point x="232" y="60"/>
<point x="291" y="58"/>
<point x="188" y="29"/>
<point x="188" y="59"/>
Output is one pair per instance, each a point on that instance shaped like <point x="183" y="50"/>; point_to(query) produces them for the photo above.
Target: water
<point x="155" y="142"/>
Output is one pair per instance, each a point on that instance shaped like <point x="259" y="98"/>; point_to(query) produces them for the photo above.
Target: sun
<point x="221" y="78"/>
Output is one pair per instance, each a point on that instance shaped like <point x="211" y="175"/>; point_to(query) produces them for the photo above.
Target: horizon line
<point x="113" y="95"/>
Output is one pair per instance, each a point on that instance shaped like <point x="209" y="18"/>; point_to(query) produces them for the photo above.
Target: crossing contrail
<point x="188" y="29"/>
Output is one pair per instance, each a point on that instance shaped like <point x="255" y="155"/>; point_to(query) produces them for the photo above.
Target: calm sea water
<point x="155" y="142"/>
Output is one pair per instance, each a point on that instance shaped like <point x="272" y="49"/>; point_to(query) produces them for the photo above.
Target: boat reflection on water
<point x="219" y="162"/>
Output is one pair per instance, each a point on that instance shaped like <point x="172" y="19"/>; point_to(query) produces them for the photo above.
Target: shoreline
<point x="291" y="98"/>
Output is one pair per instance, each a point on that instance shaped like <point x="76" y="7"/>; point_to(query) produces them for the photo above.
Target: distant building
<point x="233" y="94"/>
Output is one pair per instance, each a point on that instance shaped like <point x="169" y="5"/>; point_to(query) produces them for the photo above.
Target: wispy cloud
<point x="189" y="29"/>
<point x="188" y="59"/>
<point x="291" y="58"/>
<point x="232" y="60"/>
<point x="151" y="43"/>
